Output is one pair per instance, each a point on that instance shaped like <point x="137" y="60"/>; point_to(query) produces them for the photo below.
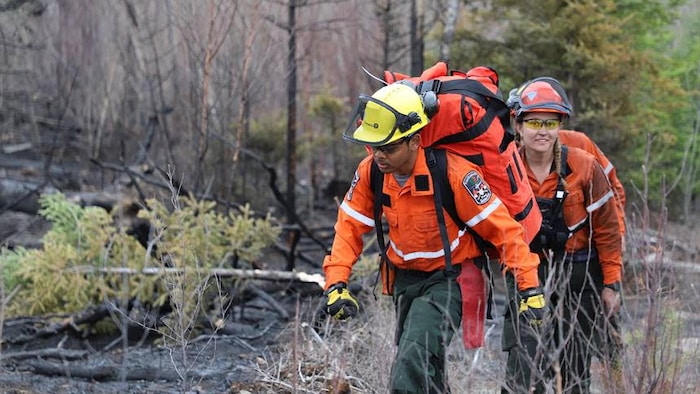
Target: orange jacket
<point x="414" y="235"/>
<point x="582" y="141"/>
<point x="590" y="198"/>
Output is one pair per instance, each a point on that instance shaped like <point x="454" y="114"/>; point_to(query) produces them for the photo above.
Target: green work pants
<point x="581" y="328"/>
<point x="526" y="347"/>
<point x="428" y="313"/>
<point x="575" y="331"/>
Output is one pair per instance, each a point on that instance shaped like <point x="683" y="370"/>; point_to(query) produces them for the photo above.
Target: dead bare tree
<point x="153" y="54"/>
<point x="690" y="170"/>
<point x="291" y="115"/>
<point x="395" y="38"/>
<point x="218" y="23"/>
<point x="292" y="29"/>
<point x="451" y="13"/>
<point x="417" y="32"/>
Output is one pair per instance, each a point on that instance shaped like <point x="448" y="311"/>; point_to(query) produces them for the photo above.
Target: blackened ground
<point x="67" y="363"/>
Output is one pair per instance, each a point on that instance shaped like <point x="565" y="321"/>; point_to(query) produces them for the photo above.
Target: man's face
<point x="397" y="156"/>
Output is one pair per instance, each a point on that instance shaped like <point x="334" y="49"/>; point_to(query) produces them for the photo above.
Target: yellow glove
<point x="341" y="305"/>
<point x="532" y="306"/>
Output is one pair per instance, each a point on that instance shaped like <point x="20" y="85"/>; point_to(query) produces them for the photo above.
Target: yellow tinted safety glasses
<point x="549" y="124"/>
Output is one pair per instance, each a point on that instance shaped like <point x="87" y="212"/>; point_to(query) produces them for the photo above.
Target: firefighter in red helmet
<point x="579" y="244"/>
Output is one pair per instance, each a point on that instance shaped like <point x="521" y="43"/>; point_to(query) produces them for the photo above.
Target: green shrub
<point x="75" y="268"/>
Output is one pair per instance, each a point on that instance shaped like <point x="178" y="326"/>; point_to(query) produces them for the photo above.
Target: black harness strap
<point x="442" y="188"/>
<point x="437" y="194"/>
<point x="554" y="232"/>
<point x="559" y="197"/>
<point x="376" y="179"/>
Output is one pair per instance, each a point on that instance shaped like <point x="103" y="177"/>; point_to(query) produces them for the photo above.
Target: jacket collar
<point x="421" y="182"/>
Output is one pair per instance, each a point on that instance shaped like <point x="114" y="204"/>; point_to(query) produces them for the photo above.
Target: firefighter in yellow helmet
<point x="415" y="272"/>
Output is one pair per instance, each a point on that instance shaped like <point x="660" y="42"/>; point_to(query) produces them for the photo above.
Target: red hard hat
<point x="542" y="94"/>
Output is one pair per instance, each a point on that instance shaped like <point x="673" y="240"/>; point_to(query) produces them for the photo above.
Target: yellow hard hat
<point x="391" y="113"/>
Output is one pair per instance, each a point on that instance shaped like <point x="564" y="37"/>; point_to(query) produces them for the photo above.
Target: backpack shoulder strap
<point x="376" y="180"/>
<point x="444" y="196"/>
<point x="439" y="181"/>
<point x="560" y="193"/>
<point x="447" y="194"/>
<point x="564" y="170"/>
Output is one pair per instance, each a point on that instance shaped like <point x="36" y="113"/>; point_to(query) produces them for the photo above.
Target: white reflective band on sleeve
<point x="607" y="169"/>
<point x="367" y="221"/>
<point x="600" y="202"/>
<point x="427" y="255"/>
<point x="485" y="213"/>
<point x="577" y="225"/>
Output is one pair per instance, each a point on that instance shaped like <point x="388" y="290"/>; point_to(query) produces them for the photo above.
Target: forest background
<point x="244" y="102"/>
<point x="206" y="89"/>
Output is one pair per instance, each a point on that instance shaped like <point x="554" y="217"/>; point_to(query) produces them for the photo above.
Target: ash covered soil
<point x="220" y="364"/>
<point x="82" y="361"/>
<point x="75" y="363"/>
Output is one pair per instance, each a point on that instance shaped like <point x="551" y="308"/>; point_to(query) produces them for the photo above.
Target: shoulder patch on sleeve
<point x="355" y="179"/>
<point x="476" y="187"/>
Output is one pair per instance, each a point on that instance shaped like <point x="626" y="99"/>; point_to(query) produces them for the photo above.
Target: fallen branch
<point x="104" y="373"/>
<point x="222" y="272"/>
<point x="91" y="315"/>
<point x="62" y="354"/>
<point x="653" y="259"/>
<point x="653" y="239"/>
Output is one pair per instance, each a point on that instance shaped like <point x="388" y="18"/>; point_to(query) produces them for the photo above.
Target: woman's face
<point x="539" y="130"/>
